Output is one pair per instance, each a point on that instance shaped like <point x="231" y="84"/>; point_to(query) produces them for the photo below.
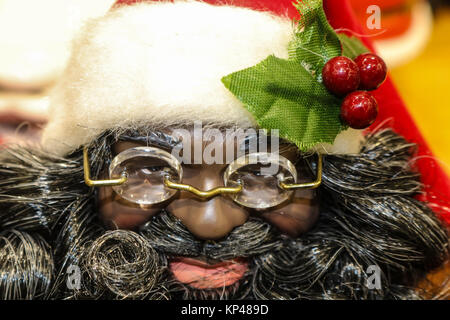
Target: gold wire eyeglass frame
<point x="204" y="195"/>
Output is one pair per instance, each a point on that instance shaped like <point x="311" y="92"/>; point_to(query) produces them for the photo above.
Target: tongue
<point x="201" y="275"/>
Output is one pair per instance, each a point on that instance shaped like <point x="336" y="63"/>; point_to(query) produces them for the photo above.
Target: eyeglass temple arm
<point x="309" y="185"/>
<point x="204" y="195"/>
<point x="99" y="183"/>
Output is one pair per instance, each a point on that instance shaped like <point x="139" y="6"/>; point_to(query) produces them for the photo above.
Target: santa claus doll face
<point x="215" y="216"/>
<point x="215" y="246"/>
<point x="203" y="162"/>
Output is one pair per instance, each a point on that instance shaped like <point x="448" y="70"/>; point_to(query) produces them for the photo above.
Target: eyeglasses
<point x="148" y="176"/>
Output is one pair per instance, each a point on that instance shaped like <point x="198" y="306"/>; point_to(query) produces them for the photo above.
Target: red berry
<point x="341" y="76"/>
<point x="359" y="109"/>
<point x="372" y="70"/>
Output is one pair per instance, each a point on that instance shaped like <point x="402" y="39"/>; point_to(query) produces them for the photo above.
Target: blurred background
<point x="414" y="39"/>
<point x="413" y="36"/>
<point x="35" y="42"/>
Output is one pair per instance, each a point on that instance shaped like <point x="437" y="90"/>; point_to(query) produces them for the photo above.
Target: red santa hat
<point x="160" y="63"/>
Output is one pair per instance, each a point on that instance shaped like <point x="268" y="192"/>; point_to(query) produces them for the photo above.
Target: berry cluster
<point x="343" y="77"/>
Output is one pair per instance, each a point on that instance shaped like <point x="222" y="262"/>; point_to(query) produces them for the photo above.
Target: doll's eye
<point x="153" y="169"/>
<point x="146" y="169"/>
<point x="253" y="170"/>
<point x="260" y="174"/>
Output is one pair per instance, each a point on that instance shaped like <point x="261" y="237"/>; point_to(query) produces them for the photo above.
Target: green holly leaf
<point x="283" y="95"/>
<point x="352" y="46"/>
<point x="315" y="42"/>
<point x="288" y="95"/>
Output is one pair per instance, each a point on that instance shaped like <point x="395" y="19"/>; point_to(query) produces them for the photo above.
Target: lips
<point x="203" y="275"/>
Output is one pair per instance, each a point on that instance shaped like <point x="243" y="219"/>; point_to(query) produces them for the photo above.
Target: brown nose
<point x="207" y="219"/>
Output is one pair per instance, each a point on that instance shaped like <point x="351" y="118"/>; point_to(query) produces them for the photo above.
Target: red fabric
<point x="279" y="7"/>
<point x="383" y="4"/>
<point x="393" y="111"/>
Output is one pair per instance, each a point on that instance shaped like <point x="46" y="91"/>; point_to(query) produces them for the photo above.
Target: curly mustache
<point x="167" y="234"/>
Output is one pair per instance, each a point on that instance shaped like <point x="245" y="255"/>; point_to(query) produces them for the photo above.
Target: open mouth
<point x="200" y="274"/>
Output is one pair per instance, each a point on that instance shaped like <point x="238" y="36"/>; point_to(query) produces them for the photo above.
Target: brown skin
<point x="296" y="217"/>
<point x="217" y="217"/>
<point x="212" y="219"/>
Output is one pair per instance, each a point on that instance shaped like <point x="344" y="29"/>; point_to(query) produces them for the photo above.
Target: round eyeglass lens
<point x="145" y="168"/>
<point x="260" y="175"/>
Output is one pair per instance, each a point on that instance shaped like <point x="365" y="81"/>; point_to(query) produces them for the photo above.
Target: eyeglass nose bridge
<point x="204" y="195"/>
